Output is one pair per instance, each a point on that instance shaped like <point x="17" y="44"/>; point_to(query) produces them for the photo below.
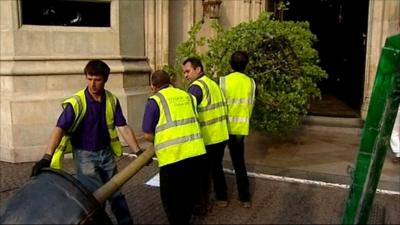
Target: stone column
<point x="384" y="21"/>
<point x="157" y="32"/>
<point x="40" y="66"/>
<point x="183" y="14"/>
<point x="246" y="10"/>
<point x="257" y="6"/>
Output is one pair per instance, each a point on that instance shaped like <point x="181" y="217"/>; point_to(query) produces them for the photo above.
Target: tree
<point x="282" y="62"/>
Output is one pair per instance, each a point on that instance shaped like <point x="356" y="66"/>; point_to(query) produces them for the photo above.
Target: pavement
<point x="297" y="181"/>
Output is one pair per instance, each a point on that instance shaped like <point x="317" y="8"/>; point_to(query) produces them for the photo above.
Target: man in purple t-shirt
<point x="93" y="154"/>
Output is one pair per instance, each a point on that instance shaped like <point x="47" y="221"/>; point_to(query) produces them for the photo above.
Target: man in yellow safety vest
<point x="212" y="115"/>
<point x="170" y="123"/>
<point x="87" y="127"/>
<point x="239" y="91"/>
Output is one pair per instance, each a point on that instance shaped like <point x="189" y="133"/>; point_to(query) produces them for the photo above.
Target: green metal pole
<point x="375" y="139"/>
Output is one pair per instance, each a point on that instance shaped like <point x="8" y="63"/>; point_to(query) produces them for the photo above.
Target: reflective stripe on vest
<point x="239" y="91"/>
<point x="212" y="112"/>
<point x="79" y="105"/>
<point x="177" y="135"/>
<point x="111" y="102"/>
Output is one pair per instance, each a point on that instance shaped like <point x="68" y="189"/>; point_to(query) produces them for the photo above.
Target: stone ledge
<point x="17" y="66"/>
<point x="333" y="121"/>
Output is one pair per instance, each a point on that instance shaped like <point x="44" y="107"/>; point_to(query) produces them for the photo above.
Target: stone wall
<point x="384" y="21"/>
<point x="40" y="66"/>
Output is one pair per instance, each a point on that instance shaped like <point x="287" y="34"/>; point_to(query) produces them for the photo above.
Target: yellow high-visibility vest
<point x="177" y="136"/>
<point x="212" y="112"/>
<point x="239" y="91"/>
<point x="79" y="105"/>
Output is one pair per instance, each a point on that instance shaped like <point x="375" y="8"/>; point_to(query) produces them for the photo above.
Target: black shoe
<point x="246" y="204"/>
<point x="395" y="158"/>
<point x="200" y="210"/>
<point x="221" y="203"/>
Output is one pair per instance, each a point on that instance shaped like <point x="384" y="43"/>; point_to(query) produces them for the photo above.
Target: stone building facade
<point x="170" y="21"/>
<point x="40" y="65"/>
<point x="383" y="21"/>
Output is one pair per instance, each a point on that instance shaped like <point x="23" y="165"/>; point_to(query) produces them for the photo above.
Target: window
<point x="79" y="13"/>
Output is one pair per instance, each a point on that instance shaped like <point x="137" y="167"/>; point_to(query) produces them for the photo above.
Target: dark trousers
<point x="203" y="195"/>
<point x="215" y="154"/>
<point x="236" y="150"/>
<point x="179" y="184"/>
<point x="212" y="173"/>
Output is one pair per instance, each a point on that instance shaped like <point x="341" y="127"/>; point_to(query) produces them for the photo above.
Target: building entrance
<point x="341" y="29"/>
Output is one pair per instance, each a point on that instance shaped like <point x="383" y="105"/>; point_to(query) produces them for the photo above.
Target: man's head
<point x="96" y="72"/>
<point x="159" y="78"/>
<point x="192" y="68"/>
<point x="239" y="60"/>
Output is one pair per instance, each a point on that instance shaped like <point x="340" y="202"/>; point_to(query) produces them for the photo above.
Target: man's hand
<point x="43" y="163"/>
<point x="138" y="153"/>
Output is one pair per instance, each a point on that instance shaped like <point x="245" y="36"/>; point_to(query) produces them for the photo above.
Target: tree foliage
<point x="282" y="62"/>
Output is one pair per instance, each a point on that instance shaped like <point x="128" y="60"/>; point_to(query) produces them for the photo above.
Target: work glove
<point x="138" y="153"/>
<point x="43" y="163"/>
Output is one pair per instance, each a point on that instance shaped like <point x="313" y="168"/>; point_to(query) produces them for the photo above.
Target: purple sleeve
<point x="197" y="92"/>
<point x="66" y="118"/>
<point x="151" y="116"/>
<point x="119" y="119"/>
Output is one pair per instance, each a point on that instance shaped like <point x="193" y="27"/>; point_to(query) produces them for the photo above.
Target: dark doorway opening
<point x="341" y="28"/>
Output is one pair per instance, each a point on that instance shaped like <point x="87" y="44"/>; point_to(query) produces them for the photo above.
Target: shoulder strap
<point x="80" y="99"/>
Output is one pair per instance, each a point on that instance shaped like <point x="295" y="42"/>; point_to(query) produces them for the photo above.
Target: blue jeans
<point x="96" y="168"/>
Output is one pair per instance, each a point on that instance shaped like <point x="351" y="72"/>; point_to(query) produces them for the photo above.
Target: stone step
<point x="333" y="121"/>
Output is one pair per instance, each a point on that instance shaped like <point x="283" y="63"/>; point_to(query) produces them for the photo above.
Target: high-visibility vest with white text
<point x="212" y="112"/>
<point x="239" y="91"/>
<point x="177" y="135"/>
<point x="79" y="105"/>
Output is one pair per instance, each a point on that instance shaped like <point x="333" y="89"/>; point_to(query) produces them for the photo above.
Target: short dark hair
<point x="196" y="62"/>
<point x="239" y="61"/>
<point x="97" y="67"/>
<point x="160" y="78"/>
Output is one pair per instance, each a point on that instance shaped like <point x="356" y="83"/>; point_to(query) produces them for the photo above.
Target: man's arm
<point x="149" y="137"/>
<point x="125" y="130"/>
<point x="64" y="123"/>
<point x="150" y="120"/>
<point x="54" y="140"/>
<point x="129" y="137"/>
<point x="196" y="91"/>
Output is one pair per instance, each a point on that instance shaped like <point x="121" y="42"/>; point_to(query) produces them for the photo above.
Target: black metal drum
<point x="53" y="197"/>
